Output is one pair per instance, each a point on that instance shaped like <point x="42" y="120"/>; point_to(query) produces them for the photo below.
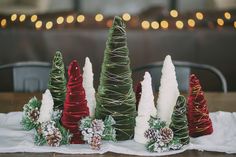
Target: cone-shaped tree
<point x="57" y="81"/>
<point x="199" y="122"/>
<point x="75" y="106"/>
<point x="179" y="122"/>
<point x="168" y="91"/>
<point x="88" y="86"/>
<point x="46" y="108"/>
<point x="146" y="109"/>
<point x="115" y="95"/>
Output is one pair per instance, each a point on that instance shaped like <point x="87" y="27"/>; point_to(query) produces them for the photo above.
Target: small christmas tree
<point x="179" y="122"/>
<point x="57" y="81"/>
<point x="168" y="91"/>
<point x="146" y="109"/>
<point x="199" y="121"/>
<point x="88" y="86"/>
<point x="115" y="95"/>
<point x="75" y="106"/>
<point x="46" y="109"/>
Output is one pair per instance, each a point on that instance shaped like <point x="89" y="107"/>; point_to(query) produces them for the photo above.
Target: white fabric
<point x="14" y="139"/>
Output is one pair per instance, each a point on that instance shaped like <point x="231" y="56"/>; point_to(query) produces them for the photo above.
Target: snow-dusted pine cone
<point x="55" y="138"/>
<point x="98" y="126"/>
<point x="166" y="134"/>
<point x="151" y="134"/>
<point x="34" y="115"/>
<point x="96" y="142"/>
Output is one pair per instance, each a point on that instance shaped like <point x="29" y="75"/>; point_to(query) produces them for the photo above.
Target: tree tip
<point x="118" y="21"/>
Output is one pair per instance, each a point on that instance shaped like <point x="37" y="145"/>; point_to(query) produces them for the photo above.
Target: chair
<point x="183" y="70"/>
<point x="24" y="76"/>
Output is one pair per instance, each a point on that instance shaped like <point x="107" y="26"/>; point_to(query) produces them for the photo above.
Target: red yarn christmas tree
<point x="199" y="122"/>
<point x="75" y="105"/>
<point x="138" y="92"/>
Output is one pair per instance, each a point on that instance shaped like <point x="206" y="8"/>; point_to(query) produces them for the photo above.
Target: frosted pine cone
<point x="98" y="126"/>
<point x="55" y="138"/>
<point x="166" y="134"/>
<point x="96" y="142"/>
<point x="34" y="115"/>
<point x="151" y="134"/>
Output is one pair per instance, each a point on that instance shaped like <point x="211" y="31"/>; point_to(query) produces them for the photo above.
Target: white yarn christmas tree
<point x="88" y="86"/>
<point x="168" y="91"/>
<point x="146" y="108"/>
<point x="46" y="108"/>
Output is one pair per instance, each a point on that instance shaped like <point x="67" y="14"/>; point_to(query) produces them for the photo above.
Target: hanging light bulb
<point x="49" y="25"/>
<point x="145" y="25"/>
<point x="34" y="18"/>
<point x="220" y="21"/>
<point x="199" y="15"/>
<point x="126" y="16"/>
<point x="60" y="20"/>
<point x="164" y="24"/>
<point x="38" y="24"/>
<point x="179" y="24"/>
<point x="3" y="23"/>
<point x="80" y="18"/>
<point x="191" y="23"/>
<point x="227" y="15"/>
<point x="174" y="13"/>
<point x="155" y="25"/>
<point x="99" y="17"/>
<point x="13" y="17"/>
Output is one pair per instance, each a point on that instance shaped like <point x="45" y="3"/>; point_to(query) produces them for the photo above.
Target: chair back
<point x="183" y="71"/>
<point x="25" y="76"/>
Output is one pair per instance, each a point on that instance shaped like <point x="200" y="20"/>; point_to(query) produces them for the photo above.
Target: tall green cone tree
<point x="115" y="95"/>
<point x="57" y="81"/>
<point x="179" y="122"/>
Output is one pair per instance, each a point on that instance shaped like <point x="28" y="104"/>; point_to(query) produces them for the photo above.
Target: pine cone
<point x="34" y="115"/>
<point x="151" y="134"/>
<point x="166" y="134"/>
<point x="98" y="126"/>
<point x="55" y="138"/>
<point x="96" y="142"/>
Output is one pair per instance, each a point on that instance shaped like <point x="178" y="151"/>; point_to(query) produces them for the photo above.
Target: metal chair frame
<point x="191" y="65"/>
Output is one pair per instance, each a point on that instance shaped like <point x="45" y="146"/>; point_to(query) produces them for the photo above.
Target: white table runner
<point x="14" y="139"/>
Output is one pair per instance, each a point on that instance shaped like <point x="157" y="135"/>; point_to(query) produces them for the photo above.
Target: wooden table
<point x="216" y="102"/>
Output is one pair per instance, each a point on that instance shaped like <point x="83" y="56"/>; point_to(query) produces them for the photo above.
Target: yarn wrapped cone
<point x="115" y="95"/>
<point x="179" y="122"/>
<point x="57" y="81"/>
<point x="75" y="106"/>
<point x="199" y="121"/>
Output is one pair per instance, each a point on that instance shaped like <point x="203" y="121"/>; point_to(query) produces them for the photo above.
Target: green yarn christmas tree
<point x="115" y="95"/>
<point x="179" y="122"/>
<point x="57" y="81"/>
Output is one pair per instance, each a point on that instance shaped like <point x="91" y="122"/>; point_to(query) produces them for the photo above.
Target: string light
<point x="199" y="15"/>
<point x="60" y="20"/>
<point x="34" y="18"/>
<point x="109" y="23"/>
<point x="80" y="18"/>
<point x="3" y="23"/>
<point x="191" y="23"/>
<point x="155" y="25"/>
<point x="99" y="17"/>
<point x="22" y="18"/>
<point x="179" y="24"/>
<point x="234" y="24"/>
<point x="220" y="22"/>
<point x="38" y="24"/>
<point x="70" y="19"/>
<point x="145" y="25"/>
<point x="227" y="15"/>
<point x="13" y="17"/>
<point x="126" y="16"/>
<point x="173" y="13"/>
<point x="164" y="24"/>
<point x="49" y="25"/>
